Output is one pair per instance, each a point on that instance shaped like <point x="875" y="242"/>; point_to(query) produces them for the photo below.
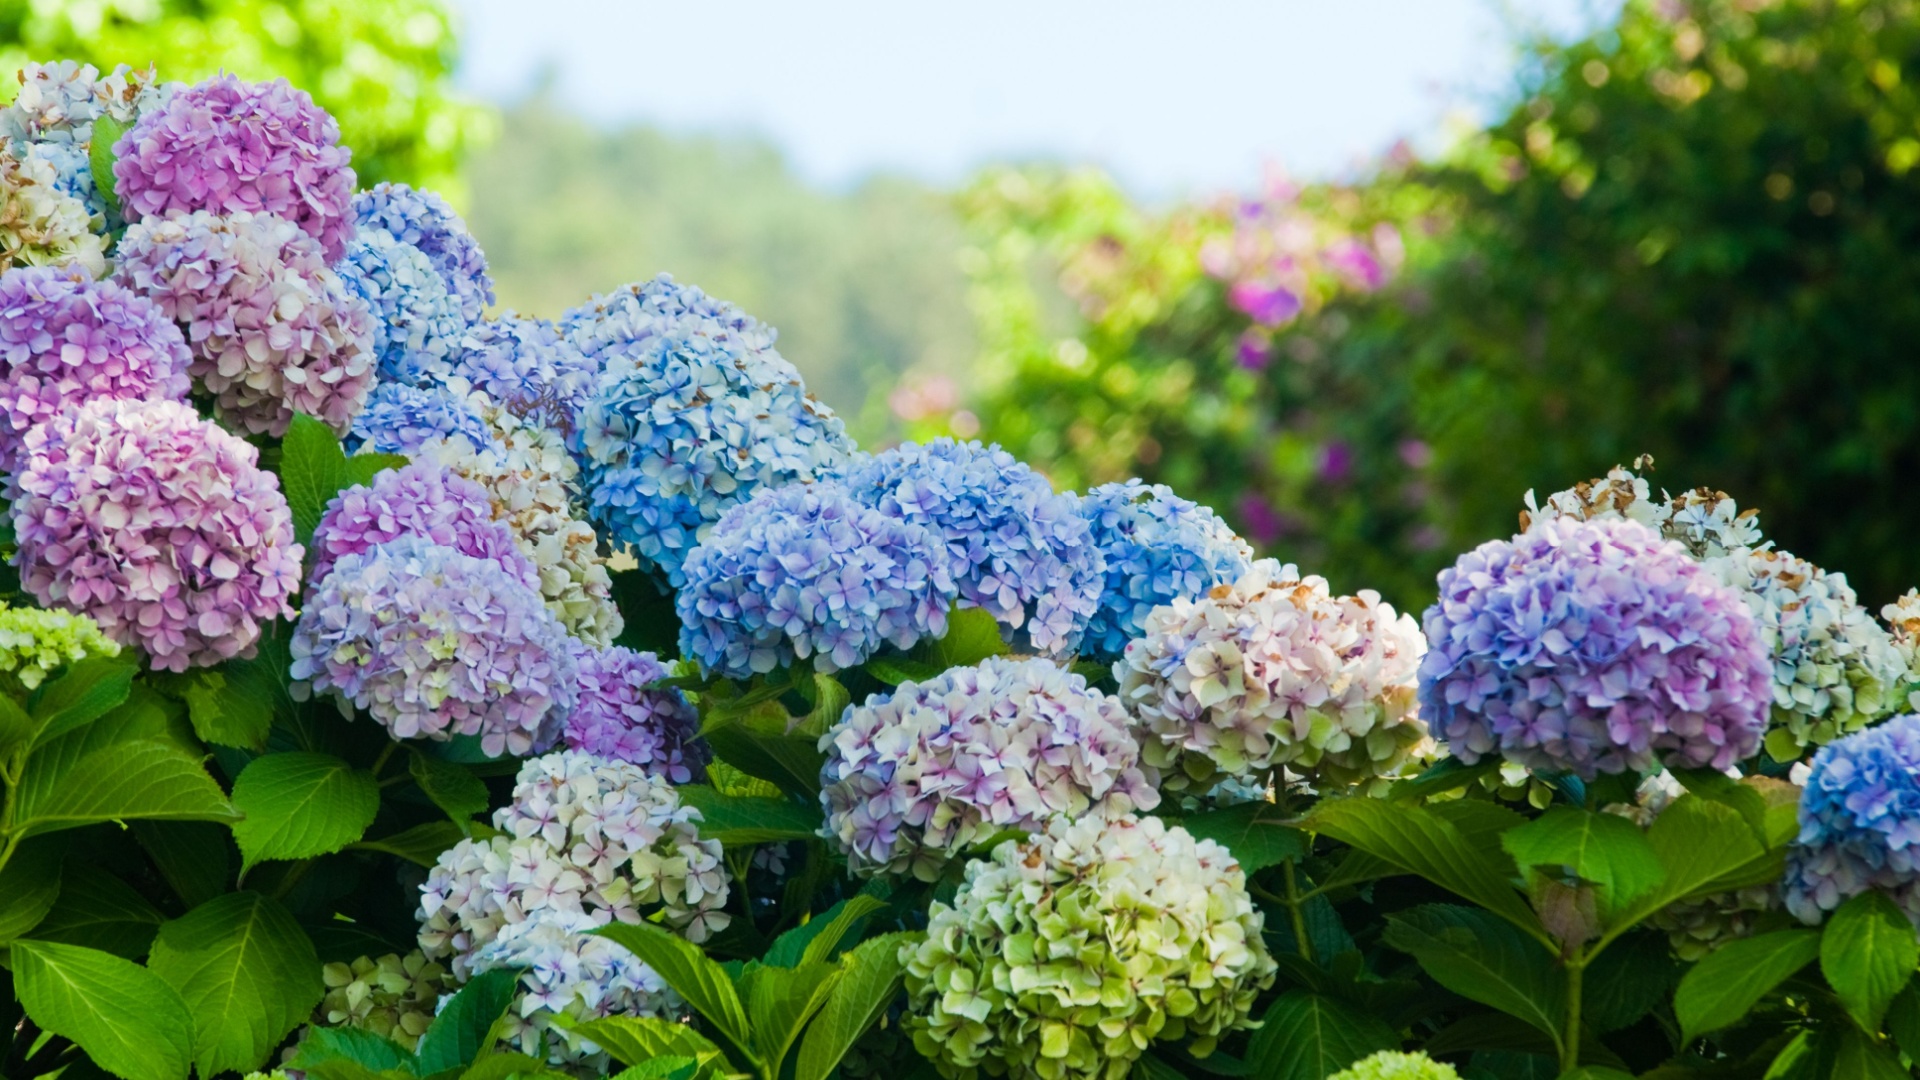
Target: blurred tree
<point x="381" y="67"/>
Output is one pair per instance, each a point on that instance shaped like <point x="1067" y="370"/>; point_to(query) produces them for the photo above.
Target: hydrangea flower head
<point x="36" y="643"/>
<point x="417" y="325"/>
<point x="916" y="777"/>
<point x="1394" y="1065"/>
<point x="1158" y="548"/>
<point x="805" y="571"/>
<point x="395" y="996"/>
<point x="1708" y="523"/>
<point x="42" y="223"/>
<point x="228" y="146"/>
<point x="1903" y="626"/>
<point x="583" y="842"/>
<point x="273" y="331"/>
<point x="433" y="643"/>
<point x="1592" y="646"/>
<point x="420" y="499"/>
<point x="52" y="119"/>
<point x="643" y="310"/>
<point x="526" y="365"/>
<point x="617" y="717"/>
<point x="423" y="220"/>
<point x="66" y="339"/>
<point x="1018" y="550"/>
<point x="1108" y="936"/>
<point x="1860" y="822"/>
<point x="399" y="419"/>
<point x="159" y="526"/>
<point x="1275" y="670"/>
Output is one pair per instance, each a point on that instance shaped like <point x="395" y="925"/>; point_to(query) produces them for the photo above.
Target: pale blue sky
<point x="1174" y="96"/>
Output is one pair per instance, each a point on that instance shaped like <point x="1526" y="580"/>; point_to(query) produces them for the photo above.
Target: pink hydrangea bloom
<point x="230" y="146"/>
<point x="157" y="524"/>
<point x="425" y="500"/>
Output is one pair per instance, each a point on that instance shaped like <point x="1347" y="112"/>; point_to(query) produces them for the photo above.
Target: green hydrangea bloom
<point x="1394" y="1065"/>
<point x="33" y="643"/>
<point x="393" y="996"/>
<point x="1066" y="956"/>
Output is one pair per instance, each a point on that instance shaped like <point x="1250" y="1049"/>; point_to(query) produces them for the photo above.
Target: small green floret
<point x="34" y="643"/>
<point x="1394" y="1065"/>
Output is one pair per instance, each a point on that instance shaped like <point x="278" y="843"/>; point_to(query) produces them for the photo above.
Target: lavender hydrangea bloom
<point x="682" y="426"/>
<point x="66" y="339"/>
<point x="424" y="500"/>
<point x="1018" y="550"/>
<point x="229" y="146"/>
<point x="1593" y="646"/>
<point x="643" y="310"/>
<point x="399" y="419"/>
<point x="425" y="221"/>
<point x="618" y="719"/>
<point x="1860" y="822"/>
<point x="916" y="777"/>
<point x="805" y="571"/>
<point x="417" y="325"/>
<point x="273" y="331"/>
<point x="1158" y="548"/>
<point x="433" y="643"/>
<point x="526" y="365"/>
<point x="158" y="525"/>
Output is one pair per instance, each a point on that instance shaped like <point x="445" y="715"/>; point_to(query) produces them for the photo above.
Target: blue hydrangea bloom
<point x="1593" y="646"/>
<point x="1158" y="548"/>
<point x="643" y="310"/>
<point x="425" y="221"/>
<point x="527" y="366"/>
<point x="1859" y="822"/>
<point x="1019" y="550"/>
<point x="398" y="418"/>
<point x="682" y="426"/>
<point x="73" y="169"/>
<point x="804" y="571"/>
<point x="417" y="325"/>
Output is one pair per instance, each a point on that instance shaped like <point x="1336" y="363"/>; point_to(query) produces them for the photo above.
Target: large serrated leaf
<point x="1605" y="849"/>
<point x="1868" y="953"/>
<point x="1725" y="985"/>
<point x="299" y="805"/>
<point x="98" y="910"/>
<point x="459" y="1034"/>
<point x="872" y="978"/>
<point x="143" y="779"/>
<point x="1304" y="1036"/>
<point x="1254" y="832"/>
<point x="195" y="857"/>
<point x="421" y="844"/>
<point x="743" y="820"/>
<point x="703" y="983"/>
<point x="29" y="885"/>
<point x="127" y="1019"/>
<point x="100" y="158"/>
<point x="972" y="636"/>
<point x="1479" y="957"/>
<point x="638" y="1039"/>
<point x="781" y="1000"/>
<point x="1418" y="841"/>
<point x="450" y="786"/>
<point x="819" y="938"/>
<point x="88" y="690"/>
<point x="248" y="975"/>
<point x="313" y="468"/>
<point x="370" y="1053"/>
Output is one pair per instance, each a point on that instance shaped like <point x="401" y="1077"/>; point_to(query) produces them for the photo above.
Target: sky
<point x="1174" y="96"/>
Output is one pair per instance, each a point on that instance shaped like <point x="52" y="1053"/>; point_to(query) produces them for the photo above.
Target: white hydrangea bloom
<point x="1708" y="523"/>
<point x="1275" y="670"/>
<point x="1903" y="619"/>
<point x="41" y="225"/>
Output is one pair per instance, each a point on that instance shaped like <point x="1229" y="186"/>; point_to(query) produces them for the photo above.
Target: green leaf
<point x="29" y="885"/>
<point x="637" y="1039"/>
<point x="238" y="702"/>
<point x="313" y="469"/>
<point x="790" y="761"/>
<point x="299" y="805"/>
<point x="1605" y="849"/>
<point x="1418" y="841"/>
<point x="819" y="937"/>
<point x="1702" y="846"/>
<point x="106" y="132"/>
<point x="323" y="1046"/>
<point x="16" y="727"/>
<point x="88" y="690"/>
<point x="1253" y="832"/>
<point x="745" y="820"/>
<point x="364" y="466"/>
<point x="781" y="1000"/>
<point x="421" y="844"/>
<point x="1903" y="1020"/>
<point x="651" y="624"/>
<point x="127" y="1019"/>
<point x="451" y="787"/>
<point x="873" y="971"/>
<point x="145" y="778"/>
<point x="1596" y="1072"/>
<point x="972" y="636"/>
<point x="1868" y="953"/>
<point x="461" y="1032"/>
<point x="98" y="910"/>
<point x="674" y="1067"/>
<point x="1478" y="957"/>
<point x="894" y="670"/>
<point x="828" y="699"/>
<point x="214" y="721"/>
<point x="703" y="983"/>
<point x="1858" y="1057"/>
<point x="1305" y="1036"/>
<point x="195" y="857"/>
<point x="1724" y="986"/>
<point x="506" y="1065"/>
<point x="248" y="975"/>
<point x="1635" y="974"/>
<point x="1448" y="774"/>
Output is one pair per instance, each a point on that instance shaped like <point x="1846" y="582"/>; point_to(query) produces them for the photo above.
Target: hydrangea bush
<point x="392" y="688"/>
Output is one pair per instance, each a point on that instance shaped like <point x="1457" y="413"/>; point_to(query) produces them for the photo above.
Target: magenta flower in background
<point x="66" y="339"/>
<point x="229" y="146"/>
<point x="157" y="524"/>
<point x="1263" y="523"/>
<point x="1265" y="303"/>
<point x="1356" y="263"/>
<point x="1254" y="350"/>
<point x="1335" y="465"/>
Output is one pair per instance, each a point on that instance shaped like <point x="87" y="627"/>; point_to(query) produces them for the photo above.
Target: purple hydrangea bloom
<point x="1159" y="548"/>
<point x="433" y="643"/>
<point x="399" y="419"/>
<point x="805" y="571"/>
<point x="916" y="777"/>
<point x="1019" y="551"/>
<point x="158" y="525"/>
<point x="638" y="312"/>
<point x="417" y="325"/>
<point x="229" y="146"/>
<point x="425" y="221"/>
<point x="527" y="366"/>
<point x="1859" y="822"/>
<point x="1593" y="646"/>
<point x="66" y="339"/>
<point x="617" y="718"/>
<point x="421" y="500"/>
<point x="273" y="331"/>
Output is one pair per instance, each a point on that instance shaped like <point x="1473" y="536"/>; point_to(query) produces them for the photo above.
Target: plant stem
<point x="381" y="761"/>
<point x="12" y="780"/>
<point x="1299" y="918"/>
<point x="1570" y="1041"/>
